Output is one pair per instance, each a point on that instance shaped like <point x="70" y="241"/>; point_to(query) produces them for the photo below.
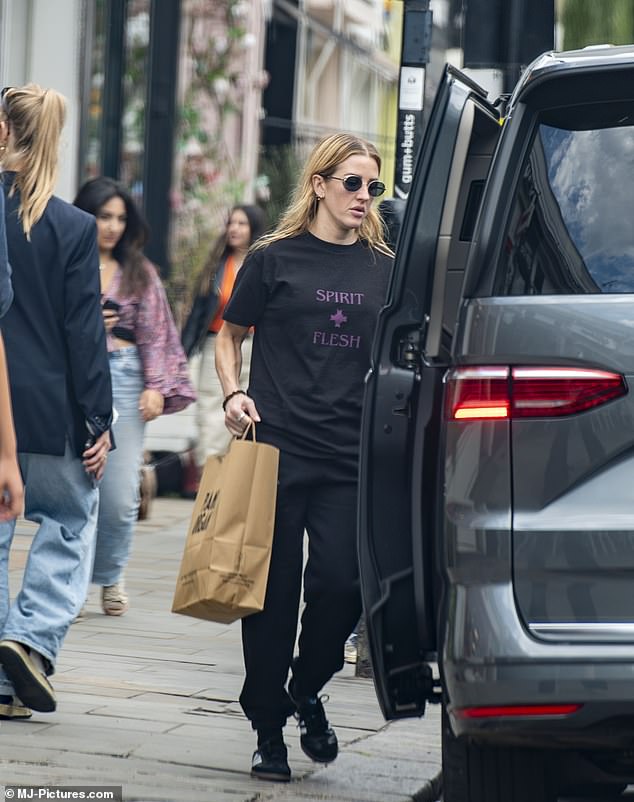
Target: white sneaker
<point x="114" y="599"/>
<point x="350" y="649"/>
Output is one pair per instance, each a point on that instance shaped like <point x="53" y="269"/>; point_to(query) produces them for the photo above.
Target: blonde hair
<point x="324" y="159"/>
<point x="36" y="118"/>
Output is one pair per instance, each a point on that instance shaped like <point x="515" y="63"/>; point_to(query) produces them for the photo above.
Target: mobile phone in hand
<point x="90" y="442"/>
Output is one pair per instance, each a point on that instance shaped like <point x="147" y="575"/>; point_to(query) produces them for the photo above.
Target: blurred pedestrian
<point x="148" y="368"/>
<point x="62" y="397"/>
<point x="11" y="486"/>
<point x="244" y="225"/>
<point x="312" y="288"/>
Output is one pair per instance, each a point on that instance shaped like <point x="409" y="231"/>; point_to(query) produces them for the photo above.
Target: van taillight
<point x="475" y="393"/>
<point x="502" y="711"/>
<point x="478" y="393"/>
<point x="545" y="392"/>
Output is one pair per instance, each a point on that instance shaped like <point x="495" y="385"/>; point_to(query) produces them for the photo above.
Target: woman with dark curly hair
<point x="147" y="365"/>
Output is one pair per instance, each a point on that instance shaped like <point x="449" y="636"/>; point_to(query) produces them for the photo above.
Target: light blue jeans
<point x="61" y="499"/>
<point x="119" y="489"/>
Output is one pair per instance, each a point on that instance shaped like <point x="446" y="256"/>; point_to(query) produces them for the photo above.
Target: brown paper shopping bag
<point x="225" y="564"/>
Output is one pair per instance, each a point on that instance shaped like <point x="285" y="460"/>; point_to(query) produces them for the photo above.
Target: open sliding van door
<point x="400" y="489"/>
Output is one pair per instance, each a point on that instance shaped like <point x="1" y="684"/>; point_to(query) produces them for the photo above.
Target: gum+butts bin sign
<point x="417" y="27"/>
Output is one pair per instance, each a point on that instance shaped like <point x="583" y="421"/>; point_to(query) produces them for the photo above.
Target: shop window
<point x="91" y="134"/>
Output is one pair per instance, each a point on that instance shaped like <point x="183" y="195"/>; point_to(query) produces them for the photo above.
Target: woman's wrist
<point x="8" y="445"/>
<point x="231" y="395"/>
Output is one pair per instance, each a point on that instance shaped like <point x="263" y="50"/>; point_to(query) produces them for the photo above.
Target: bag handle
<point x="250" y="427"/>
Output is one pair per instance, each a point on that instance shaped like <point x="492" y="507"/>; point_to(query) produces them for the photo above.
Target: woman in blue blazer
<point x="61" y="392"/>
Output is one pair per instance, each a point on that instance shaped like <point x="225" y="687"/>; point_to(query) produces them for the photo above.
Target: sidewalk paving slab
<point x="149" y="701"/>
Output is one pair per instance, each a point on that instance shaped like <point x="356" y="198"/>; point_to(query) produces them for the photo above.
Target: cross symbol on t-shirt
<point x="338" y="319"/>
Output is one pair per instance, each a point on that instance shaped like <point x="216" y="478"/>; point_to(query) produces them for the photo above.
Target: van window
<point x="571" y="227"/>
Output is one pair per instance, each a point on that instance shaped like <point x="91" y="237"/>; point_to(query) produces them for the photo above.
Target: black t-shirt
<point x="314" y="306"/>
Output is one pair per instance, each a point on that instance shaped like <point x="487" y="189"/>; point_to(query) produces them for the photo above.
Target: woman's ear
<point x="319" y="186"/>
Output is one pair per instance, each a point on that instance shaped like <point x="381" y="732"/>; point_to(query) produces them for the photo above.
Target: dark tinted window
<point x="472" y="207"/>
<point x="571" y="228"/>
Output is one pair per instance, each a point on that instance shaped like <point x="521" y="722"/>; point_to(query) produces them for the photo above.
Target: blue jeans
<point x="61" y="499"/>
<point x="119" y="489"/>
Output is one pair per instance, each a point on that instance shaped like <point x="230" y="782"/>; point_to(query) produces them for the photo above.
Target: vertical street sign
<point x="416" y="44"/>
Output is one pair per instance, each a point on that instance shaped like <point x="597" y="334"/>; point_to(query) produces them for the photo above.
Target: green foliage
<point x="209" y="183"/>
<point x="593" y="22"/>
<point x="280" y="167"/>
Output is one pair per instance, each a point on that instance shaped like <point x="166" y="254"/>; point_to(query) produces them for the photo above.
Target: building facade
<point x="41" y="41"/>
<point x="198" y="104"/>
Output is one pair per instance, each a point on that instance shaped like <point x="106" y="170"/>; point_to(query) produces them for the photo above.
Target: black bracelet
<point x="229" y="397"/>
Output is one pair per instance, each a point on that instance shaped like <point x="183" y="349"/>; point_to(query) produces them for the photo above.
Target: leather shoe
<point x="31" y="686"/>
<point x="12" y="709"/>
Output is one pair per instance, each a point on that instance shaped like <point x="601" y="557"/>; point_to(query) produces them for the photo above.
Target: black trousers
<point x="319" y="496"/>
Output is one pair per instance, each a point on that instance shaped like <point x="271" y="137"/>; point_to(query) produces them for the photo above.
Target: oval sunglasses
<point x="353" y="183"/>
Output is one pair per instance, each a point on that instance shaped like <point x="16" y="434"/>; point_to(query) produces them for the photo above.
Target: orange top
<point x="226" y="286"/>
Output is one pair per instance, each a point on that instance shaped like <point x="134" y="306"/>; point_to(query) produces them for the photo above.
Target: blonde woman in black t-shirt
<point x="312" y="288"/>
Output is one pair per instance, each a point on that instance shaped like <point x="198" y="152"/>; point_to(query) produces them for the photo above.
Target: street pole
<point x="502" y="36"/>
<point x="415" y="55"/>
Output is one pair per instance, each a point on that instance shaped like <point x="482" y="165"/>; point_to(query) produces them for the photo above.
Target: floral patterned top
<point x="149" y="318"/>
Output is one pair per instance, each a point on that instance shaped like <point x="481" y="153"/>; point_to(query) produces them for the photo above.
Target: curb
<point x="431" y="791"/>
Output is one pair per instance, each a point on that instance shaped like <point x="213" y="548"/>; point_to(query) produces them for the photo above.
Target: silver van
<point x="496" y="530"/>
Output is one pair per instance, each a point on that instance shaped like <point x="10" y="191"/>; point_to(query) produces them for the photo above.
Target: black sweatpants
<point x="319" y="496"/>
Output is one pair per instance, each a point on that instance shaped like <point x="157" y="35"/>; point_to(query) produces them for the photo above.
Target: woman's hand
<point x="95" y="457"/>
<point x="11" y="488"/>
<point x="239" y="412"/>
<point x="110" y="319"/>
<point x="151" y="404"/>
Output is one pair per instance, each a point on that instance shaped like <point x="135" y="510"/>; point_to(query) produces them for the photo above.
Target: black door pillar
<point x="160" y="126"/>
<point x="113" y="88"/>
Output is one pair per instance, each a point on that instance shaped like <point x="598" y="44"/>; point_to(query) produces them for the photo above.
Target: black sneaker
<point x="270" y="761"/>
<point x="317" y="738"/>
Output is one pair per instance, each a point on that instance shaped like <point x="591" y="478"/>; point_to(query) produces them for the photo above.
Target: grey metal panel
<point x="556" y="329"/>
<point x="454" y="181"/>
<point x="491" y="658"/>
<point x="476" y="141"/>
<point x="573" y="505"/>
<point x="607" y="632"/>
<point x="478" y="501"/>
